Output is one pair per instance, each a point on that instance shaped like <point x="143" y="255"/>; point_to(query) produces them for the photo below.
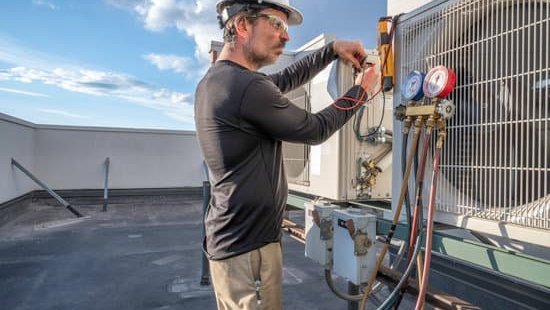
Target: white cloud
<point x="100" y="83"/>
<point x="182" y="65"/>
<point x="12" y="51"/>
<point x="44" y="3"/>
<point x="195" y="18"/>
<point x="63" y="113"/>
<point x="30" y="66"/>
<point x="22" y="92"/>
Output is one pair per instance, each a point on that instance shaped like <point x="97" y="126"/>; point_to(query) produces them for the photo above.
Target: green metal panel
<point x="296" y="201"/>
<point x="518" y="265"/>
<point x="511" y="263"/>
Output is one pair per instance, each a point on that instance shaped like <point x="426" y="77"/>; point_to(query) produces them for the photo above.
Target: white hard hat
<point x="294" y="16"/>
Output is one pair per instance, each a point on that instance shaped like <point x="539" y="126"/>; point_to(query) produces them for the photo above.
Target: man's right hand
<point x="369" y="79"/>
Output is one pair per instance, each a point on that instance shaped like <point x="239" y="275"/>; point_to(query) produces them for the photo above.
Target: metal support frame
<point x="434" y="297"/>
<point x="505" y="262"/>
<point x="106" y="186"/>
<point x="516" y="277"/>
<point x="353" y="290"/>
<point x="506" y="274"/>
<point x="46" y="188"/>
<point x="297" y="201"/>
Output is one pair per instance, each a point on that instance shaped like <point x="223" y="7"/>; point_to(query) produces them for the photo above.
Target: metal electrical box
<point x="354" y="238"/>
<point x="319" y="231"/>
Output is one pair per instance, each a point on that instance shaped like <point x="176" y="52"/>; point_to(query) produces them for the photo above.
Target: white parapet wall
<point x="17" y="140"/>
<point x="404" y="6"/>
<point x="68" y="157"/>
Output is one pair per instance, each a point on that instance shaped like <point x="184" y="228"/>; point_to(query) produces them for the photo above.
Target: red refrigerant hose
<point x="418" y="190"/>
<point x="430" y="224"/>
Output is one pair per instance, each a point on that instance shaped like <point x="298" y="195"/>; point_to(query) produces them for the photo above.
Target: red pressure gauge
<point x="439" y="82"/>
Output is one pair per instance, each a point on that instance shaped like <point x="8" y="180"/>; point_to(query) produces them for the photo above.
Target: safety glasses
<point x="274" y="20"/>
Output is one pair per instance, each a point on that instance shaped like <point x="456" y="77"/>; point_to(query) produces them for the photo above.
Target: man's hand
<point x="351" y="52"/>
<point x="368" y="79"/>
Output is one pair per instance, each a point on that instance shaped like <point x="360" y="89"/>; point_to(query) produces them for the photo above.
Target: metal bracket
<point x="326" y="229"/>
<point x="361" y="243"/>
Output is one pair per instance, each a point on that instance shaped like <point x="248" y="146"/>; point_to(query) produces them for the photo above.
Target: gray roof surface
<point x="143" y="253"/>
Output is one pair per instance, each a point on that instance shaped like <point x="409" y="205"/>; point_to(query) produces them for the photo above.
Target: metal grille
<point x="296" y="156"/>
<point x="496" y="161"/>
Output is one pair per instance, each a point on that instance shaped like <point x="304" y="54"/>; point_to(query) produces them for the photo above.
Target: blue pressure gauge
<point x="412" y="86"/>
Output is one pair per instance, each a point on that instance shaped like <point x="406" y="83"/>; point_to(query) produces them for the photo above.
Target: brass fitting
<point x="430" y="122"/>
<point x="371" y="181"/>
<point x="369" y="165"/>
<point x="418" y="123"/>
<point x="407" y="123"/>
<point x="441" y="138"/>
<point x="440" y="124"/>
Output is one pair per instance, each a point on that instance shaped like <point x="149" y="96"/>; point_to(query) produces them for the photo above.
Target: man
<point x="242" y="118"/>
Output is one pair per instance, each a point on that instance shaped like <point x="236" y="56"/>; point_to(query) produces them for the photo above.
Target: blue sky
<point x="131" y="63"/>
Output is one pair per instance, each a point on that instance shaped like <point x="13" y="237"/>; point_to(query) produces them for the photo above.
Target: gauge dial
<point x="412" y="86"/>
<point x="439" y="82"/>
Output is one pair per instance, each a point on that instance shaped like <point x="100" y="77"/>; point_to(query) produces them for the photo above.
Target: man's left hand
<point x="350" y="52"/>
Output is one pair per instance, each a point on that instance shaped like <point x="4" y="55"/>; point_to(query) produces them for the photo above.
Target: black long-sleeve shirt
<point x="242" y="118"/>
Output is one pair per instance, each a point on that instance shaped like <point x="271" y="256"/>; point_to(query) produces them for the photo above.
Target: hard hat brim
<point x="295" y="17"/>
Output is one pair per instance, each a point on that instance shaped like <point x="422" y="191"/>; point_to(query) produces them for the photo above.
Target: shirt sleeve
<point x="304" y="69"/>
<point x="268" y="110"/>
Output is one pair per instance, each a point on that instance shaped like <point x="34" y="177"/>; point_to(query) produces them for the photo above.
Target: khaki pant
<point x="252" y="280"/>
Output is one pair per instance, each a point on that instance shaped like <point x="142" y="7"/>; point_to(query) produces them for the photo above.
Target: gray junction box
<point x="354" y="251"/>
<point x="318" y="220"/>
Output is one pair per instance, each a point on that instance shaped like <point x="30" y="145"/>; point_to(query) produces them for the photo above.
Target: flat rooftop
<point x="143" y="253"/>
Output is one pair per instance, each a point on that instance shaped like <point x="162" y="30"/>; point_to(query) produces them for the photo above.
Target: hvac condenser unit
<point x="337" y="168"/>
<point x="495" y="165"/>
<point x="356" y="161"/>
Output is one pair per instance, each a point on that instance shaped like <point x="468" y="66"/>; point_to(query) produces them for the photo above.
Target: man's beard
<point x="260" y="60"/>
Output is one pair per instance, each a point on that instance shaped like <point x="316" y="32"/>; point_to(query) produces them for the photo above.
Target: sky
<point x="132" y="63"/>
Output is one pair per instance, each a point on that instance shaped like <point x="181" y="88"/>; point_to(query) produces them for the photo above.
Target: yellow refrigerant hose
<point x="417" y="130"/>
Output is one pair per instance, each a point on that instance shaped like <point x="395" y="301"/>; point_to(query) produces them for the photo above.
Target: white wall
<point x="16" y="141"/>
<point x="73" y="157"/>
<point x="404" y="6"/>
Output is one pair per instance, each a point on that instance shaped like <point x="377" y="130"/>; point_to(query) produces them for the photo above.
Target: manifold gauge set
<point x="438" y="83"/>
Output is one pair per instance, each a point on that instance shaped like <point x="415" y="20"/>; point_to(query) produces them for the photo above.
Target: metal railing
<point x="106" y="185"/>
<point x="46" y="188"/>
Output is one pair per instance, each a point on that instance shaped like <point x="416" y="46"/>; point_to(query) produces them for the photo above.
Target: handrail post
<point x="106" y="186"/>
<point x="205" y="271"/>
<point x="46" y="188"/>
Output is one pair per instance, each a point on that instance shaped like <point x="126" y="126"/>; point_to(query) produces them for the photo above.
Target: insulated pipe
<point x="418" y="124"/>
<point x="356" y="298"/>
<point x="382" y="154"/>
<point x="430" y="223"/>
<point x="384" y="162"/>
<point x="344" y="296"/>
